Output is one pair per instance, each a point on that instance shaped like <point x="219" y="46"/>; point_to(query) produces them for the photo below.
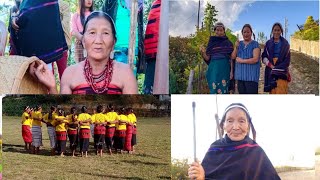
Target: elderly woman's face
<point x="236" y="124"/>
<point x="98" y="39"/>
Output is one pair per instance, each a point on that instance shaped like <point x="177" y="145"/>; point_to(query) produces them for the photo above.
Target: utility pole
<point x="199" y="65"/>
<point x="285" y="28"/>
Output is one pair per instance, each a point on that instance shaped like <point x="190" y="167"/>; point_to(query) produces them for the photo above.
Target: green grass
<point x="151" y="160"/>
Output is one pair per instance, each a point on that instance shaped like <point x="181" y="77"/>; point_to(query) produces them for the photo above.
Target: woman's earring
<point x="85" y="53"/>
<point x="112" y="54"/>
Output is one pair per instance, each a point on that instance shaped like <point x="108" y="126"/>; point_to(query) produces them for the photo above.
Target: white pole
<point x="132" y="35"/>
<point x="161" y="77"/>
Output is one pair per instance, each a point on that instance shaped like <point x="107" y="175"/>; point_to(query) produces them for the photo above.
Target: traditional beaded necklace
<point x="93" y="80"/>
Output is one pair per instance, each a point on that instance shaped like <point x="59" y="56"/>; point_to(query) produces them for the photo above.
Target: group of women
<point x="96" y="71"/>
<point x="115" y="130"/>
<point x="242" y="61"/>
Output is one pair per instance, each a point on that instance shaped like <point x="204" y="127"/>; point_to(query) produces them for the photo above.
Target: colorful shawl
<point x="245" y="160"/>
<point x="281" y="68"/>
<point x="219" y="46"/>
<point x="40" y="31"/>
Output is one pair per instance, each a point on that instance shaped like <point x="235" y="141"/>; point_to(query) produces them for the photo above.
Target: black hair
<point x="97" y="14"/>
<point x="38" y="107"/>
<point x="274" y="25"/>
<point x="242" y="107"/>
<point x="99" y="109"/>
<point x="52" y="108"/>
<point x="82" y="10"/>
<point x="84" y="109"/>
<point x="249" y="26"/>
<point x="26" y="107"/>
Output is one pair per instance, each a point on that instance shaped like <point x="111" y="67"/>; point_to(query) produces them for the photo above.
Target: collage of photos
<point x="159" y="89"/>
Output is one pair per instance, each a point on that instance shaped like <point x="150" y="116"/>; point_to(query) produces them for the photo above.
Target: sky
<point x="234" y="14"/>
<point x="286" y="125"/>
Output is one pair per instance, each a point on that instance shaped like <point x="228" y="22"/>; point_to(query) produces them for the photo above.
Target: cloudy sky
<point x="234" y="14"/>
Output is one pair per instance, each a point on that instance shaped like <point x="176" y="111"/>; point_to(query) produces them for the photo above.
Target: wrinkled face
<point x="219" y="31"/>
<point x="246" y="33"/>
<point x="236" y="124"/>
<point x="88" y="3"/>
<point x="98" y="39"/>
<point x="276" y="32"/>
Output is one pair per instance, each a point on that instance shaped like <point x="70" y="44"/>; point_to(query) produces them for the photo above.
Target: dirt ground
<point x="304" y="74"/>
<point x="303" y="174"/>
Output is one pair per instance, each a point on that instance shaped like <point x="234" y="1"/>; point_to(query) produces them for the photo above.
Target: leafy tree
<point x="310" y="30"/>
<point x="262" y="39"/>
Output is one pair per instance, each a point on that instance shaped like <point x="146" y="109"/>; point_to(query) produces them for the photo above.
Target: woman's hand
<point x="44" y="75"/>
<point x="196" y="171"/>
<point x="202" y="49"/>
<point x="14" y="24"/>
<point x="231" y="75"/>
<point x="237" y="43"/>
<point x="239" y="60"/>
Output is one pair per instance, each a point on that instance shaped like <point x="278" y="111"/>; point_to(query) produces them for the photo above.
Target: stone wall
<point x="310" y="48"/>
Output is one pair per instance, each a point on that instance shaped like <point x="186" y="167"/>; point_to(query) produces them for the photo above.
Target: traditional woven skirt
<point x="120" y="139"/>
<point x="52" y="136"/>
<point x="218" y="76"/>
<point x="73" y="138"/>
<point x="79" y="51"/>
<point x="99" y="136"/>
<point x="109" y="136"/>
<point x="128" y="138"/>
<point x="134" y="136"/>
<point x="36" y="136"/>
<point x="61" y="141"/>
<point x="26" y="134"/>
<point x="84" y="139"/>
<point x="282" y="87"/>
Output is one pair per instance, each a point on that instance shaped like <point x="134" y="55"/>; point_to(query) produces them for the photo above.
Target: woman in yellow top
<point x="73" y="125"/>
<point x="121" y="131"/>
<point x="99" y="120"/>
<point x="61" y="131"/>
<point x="36" y="130"/>
<point x="49" y="118"/>
<point x="133" y="119"/>
<point x="26" y="128"/>
<point x="84" y="120"/>
<point x="112" y="119"/>
<point x="129" y="130"/>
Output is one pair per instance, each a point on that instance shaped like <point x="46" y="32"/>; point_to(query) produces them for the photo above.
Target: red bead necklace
<point x="93" y="80"/>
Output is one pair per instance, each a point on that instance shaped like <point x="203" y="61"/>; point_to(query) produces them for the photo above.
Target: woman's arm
<point x="204" y="54"/>
<point x="254" y="60"/>
<point x="129" y="82"/>
<point x="65" y="85"/>
<point x="231" y="69"/>
<point x="235" y="50"/>
<point x="74" y="29"/>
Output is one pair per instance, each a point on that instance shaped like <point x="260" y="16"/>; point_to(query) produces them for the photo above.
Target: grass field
<point x="151" y="160"/>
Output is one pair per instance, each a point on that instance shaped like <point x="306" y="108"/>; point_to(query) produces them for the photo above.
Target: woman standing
<point x="84" y="120"/>
<point x="49" y="118"/>
<point x="99" y="120"/>
<point x="217" y="56"/>
<point x="112" y="119"/>
<point x="121" y="131"/>
<point x="133" y="120"/>
<point x="247" y="67"/>
<point x="26" y="128"/>
<point x="73" y="130"/>
<point x="36" y="130"/>
<point x="85" y="7"/>
<point x="61" y="131"/>
<point x="276" y="57"/>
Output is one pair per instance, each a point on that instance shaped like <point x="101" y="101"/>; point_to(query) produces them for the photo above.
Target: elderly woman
<point x="276" y="57"/>
<point x="99" y="73"/>
<point x="217" y="56"/>
<point x="236" y="156"/>
<point x="247" y="67"/>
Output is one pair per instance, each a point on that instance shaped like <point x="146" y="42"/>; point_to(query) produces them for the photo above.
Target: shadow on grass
<point x="14" y="148"/>
<point x="145" y="163"/>
<point x="147" y="155"/>
<point x="164" y="177"/>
